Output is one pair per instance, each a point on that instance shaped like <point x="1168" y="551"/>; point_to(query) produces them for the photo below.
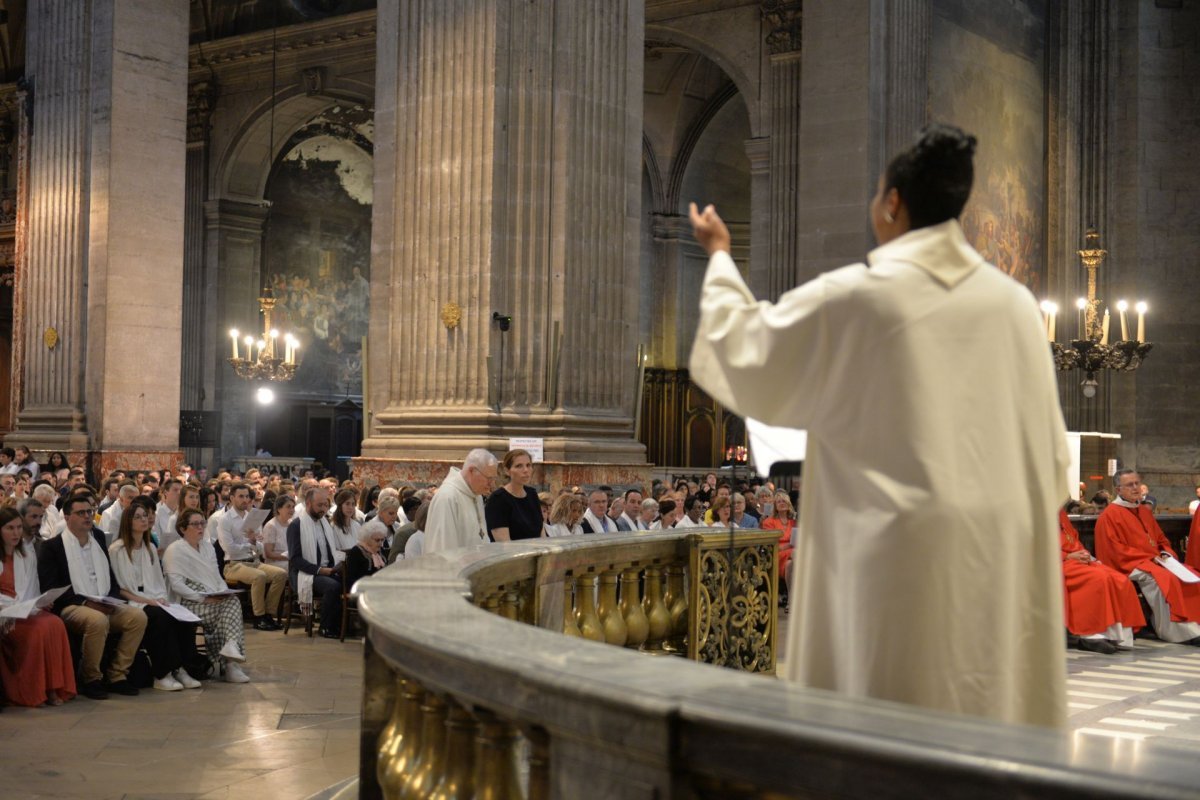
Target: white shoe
<point x="168" y="684"/>
<point x="234" y="674"/>
<point x="186" y="680"/>
<point x="230" y="652"/>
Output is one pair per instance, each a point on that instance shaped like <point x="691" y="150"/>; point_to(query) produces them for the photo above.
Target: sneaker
<point x="185" y="680"/>
<point x="124" y="687"/>
<point x="231" y="652"/>
<point x="94" y="690"/>
<point x="234" y="674"/>
<point x="167" y="683"/>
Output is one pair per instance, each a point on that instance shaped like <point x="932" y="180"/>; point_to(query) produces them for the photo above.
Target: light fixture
<point x="262" y="360"/>
<point x="1092" y="351"/>
<point x="265" y="396"/>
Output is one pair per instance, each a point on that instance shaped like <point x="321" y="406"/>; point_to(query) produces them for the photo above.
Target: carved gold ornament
<point x="451" y="315"/>
<point x="50" y="337"/>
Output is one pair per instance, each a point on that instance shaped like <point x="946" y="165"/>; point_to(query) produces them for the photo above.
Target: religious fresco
<point x="317" y="260"/>
<point x="987" y="75"/>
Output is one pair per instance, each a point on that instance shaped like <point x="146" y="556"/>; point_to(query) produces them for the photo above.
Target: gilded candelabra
<point x="1094" y="352"/>
<point x="262" y="361"/>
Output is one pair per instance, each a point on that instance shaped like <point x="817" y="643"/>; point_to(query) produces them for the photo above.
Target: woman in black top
<point x="513" y="511"/>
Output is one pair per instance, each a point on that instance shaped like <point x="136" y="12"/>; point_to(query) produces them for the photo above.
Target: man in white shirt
<point x="595" y="519"/>
<point x="241" y="560"/>
<point x="456" y="511"/>
<point x="631" y="512"/>
<point x="110" y="520"/>
<point x="8" y="465"/>
<point x="167" y="508"/>
<point x="691" y="513"/>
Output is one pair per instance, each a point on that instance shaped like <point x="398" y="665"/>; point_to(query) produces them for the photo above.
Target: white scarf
<point x="596" y="525"/>
<point x="634" y="524"/>
<point x="1125" y="503"/>
<point x="81" y="581"/>
<point x="26" y="575"/>
<point x="198" y="566"/>
<point x="138" y="572"/>
<point x="561" y="529"/>
<point x="310" y="529"/>
<point x="345" y="538"/>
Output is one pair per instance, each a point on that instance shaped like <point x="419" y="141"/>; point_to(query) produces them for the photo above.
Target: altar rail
<point x="458" y="702"/>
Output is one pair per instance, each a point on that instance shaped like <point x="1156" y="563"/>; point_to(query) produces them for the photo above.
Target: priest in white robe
<point x="928" y="570"/>
<point x="456" y="516"/>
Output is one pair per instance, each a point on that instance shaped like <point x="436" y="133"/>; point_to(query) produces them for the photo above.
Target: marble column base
<point x="51" y="428"/>
<point x="553" y="474"/>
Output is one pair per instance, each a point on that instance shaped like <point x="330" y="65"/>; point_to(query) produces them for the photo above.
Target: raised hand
<point x="709" y="229"/>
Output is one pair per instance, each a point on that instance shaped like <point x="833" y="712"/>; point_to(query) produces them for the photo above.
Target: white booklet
<point x="254" y="519"/>
<point x="1179" y="570"/>
<point x="112" y="601"/>
<point x="180" y="613"/>
<point x="23" y="609"/>
<point x="223" y="593"/>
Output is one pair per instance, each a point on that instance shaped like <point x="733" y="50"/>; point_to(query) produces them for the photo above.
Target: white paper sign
<point x="1178" y="570"/>
<point x="535" y="445"/>
<point x="254" y="519"/>
<point x="180" y="613"/>
<point x="769" y="445"/>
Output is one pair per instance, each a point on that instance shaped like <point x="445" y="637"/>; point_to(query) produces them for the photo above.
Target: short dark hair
<point x="77" y="497"/>
<point x="238" y="487"/>
<point x="8" y="451"/>
<point x="934" y="176"/>
<point x="632" y="491"/>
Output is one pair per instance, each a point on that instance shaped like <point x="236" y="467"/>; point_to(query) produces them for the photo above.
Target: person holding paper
<point x="936" y="457"/>
<point x="238" y="532"/>
<point x="191" y="568"/>
<point x="35" y="656"/>
<point x="92" y="607"/>
<point x="170" y="643"/>
<point x="1129" y="540"/>
<point x="1101" y="604"/>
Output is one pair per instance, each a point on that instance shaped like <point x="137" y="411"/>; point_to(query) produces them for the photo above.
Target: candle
<point x="1104" y="329"/>
<point x="1141" y="330"/>
<point x="233" y="334"/>
<point x="274" y="336"/>
<point x="1046" y="307"/>
<point x="1053" y="321"/>
<point x="295" y="347"/>
<point x="1081" y="304"/>
<point x="1122" y="306"/>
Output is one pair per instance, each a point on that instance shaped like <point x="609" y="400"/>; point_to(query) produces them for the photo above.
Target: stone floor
<point x="289" y="733"/>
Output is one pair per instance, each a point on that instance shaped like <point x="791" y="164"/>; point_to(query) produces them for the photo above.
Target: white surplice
<point x="455" y="516"/>
<point x="928" y="570"/>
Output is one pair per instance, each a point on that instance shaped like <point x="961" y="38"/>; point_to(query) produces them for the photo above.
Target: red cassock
<point x="1193" y="552"/>
<point x="1128" y="539"/>
<point x="1097" y="596"/>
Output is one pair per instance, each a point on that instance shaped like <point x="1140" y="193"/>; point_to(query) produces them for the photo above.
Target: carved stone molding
<point x="785" y="23"/>
<point x="257" y="46"/>
<point x="202" y="99"/>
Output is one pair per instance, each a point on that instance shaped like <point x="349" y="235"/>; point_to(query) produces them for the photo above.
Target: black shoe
<point x="1097" y="646"/>
<point x="1193" y="642"/>
<point x="330" y="635"/>
<point x="123" y="687"/>
<point x="94" y="690"/>
<point x="265" y="624"/>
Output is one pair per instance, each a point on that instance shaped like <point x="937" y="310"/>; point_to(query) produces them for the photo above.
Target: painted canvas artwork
<point x="987" y="75"/>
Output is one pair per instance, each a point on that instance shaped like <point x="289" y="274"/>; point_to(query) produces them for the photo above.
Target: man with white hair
<point x="45" y="493"/>
<point x="110" y="520"/>
<point x="456" y="512"/>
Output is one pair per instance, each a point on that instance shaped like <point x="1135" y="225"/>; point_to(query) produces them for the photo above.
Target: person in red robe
<point x="1101" y="605"/>
<point x="1129" y="540"/>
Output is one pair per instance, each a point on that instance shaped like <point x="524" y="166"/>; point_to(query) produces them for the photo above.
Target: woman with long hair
<point x="345" y="526"/>
<point x="35" y="655"/>
<point x="513" y="510"/>
<point x="170" y="643"/>
<point x="722" y="510"/>
<point x="274" y="533"/>
<point x="191" y="568"/>
<point x="565" y="515"/>
<point x="56" y="464"/>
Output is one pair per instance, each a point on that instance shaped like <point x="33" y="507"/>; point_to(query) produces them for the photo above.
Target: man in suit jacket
<point x="326" y="576"/>
<point x="81" y="562"/>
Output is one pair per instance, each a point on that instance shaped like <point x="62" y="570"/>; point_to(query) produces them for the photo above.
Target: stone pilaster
<point x="508" y="158"/>
<point x="759" y="278"/>
<point x="784" y="28"/>
<point x="900" y="44"/>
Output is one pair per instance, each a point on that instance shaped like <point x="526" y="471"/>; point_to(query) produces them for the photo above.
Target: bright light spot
<point x="1046" y="306"/>
<point x="1122" y="305"/>
<point x="1081" y="303"/>
<point x="1141" y="307"/>
<point x="264" y="396"/>
<point x="249" y="340"/>
<point x="233" y="333"/>
<point x="274" y="333"/>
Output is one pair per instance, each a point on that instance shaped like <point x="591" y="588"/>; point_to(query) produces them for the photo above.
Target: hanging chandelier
<point x="1094" y="351"/>
<point x="262" y="360"/>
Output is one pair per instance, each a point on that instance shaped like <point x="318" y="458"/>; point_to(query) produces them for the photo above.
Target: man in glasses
<point x="79" y="558"/>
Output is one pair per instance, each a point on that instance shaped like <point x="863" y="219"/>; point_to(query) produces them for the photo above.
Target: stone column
<point x="669" y="232"/>
<point x="234" y="238"/>
<point x="759" y="278"/>
<point x="784" y="27"/>
<point x="508" y="157"/>
<point x="902" y="32"/>
<point x="200" y="334"/>
<point x="105" y="228"/>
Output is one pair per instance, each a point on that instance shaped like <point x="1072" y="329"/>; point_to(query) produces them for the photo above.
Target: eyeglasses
<point x="83" y="512"/>
<point x="196" y="523"/>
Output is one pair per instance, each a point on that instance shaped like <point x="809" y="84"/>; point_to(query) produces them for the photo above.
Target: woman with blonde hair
<point x="565" y="514"/>
<point x="783" y="518"/>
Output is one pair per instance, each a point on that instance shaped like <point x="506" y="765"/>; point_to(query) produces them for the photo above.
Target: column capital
<point x="784" y="21"/>
<point x="202" y="100"/>
<point x="759" y="152"/>
<point x="670" y="227"/>
<point x="236" y="214"/>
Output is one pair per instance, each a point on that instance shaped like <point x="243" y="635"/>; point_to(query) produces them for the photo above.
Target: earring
<point x="888" y="218"/>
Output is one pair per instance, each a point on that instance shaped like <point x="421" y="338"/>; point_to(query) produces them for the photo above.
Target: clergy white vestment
<point x="455" y="516"/>
<point x="928" y="570"/>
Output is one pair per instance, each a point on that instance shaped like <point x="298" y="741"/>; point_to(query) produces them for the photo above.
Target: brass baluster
<point x="458" y="782"/>
<point x="589" y="621"/>
<point x="496" y="776"/>
<point x="392" y="736"/>
<point x="570" y="626"/>
<point x="610" y="615"/>
<point x="539" y="763"/>
<point x="636" y="624"/>
<point x="393" y="771"/>
<point x="678" y="609"/>
<point x="491" y="603"/>
<point x="428" y="768"/>
<point x="508" y="606"/>
<point x="656" y="612"/>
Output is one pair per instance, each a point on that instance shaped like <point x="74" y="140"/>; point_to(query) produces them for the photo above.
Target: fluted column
<point x="902" y="33"/>
<point x="783" y="22"/>
<point x="105" y="224"/>
<point x="509" y="135"/>
<point x="759" y="278"/>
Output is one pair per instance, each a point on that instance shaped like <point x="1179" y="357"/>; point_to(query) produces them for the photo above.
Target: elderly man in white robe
<point x="928" y="571"/>
<point x="456" y="512"/>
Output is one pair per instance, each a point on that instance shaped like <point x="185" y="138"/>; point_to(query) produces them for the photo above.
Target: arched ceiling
<point x="216" y="19"/>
